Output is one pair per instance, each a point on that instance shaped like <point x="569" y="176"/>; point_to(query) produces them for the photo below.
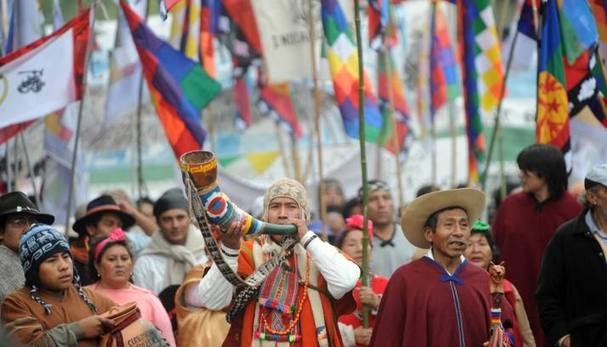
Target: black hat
<point x="17" y="202"/>
<point x="171" y="199"/>
<point x="100" y="205"/>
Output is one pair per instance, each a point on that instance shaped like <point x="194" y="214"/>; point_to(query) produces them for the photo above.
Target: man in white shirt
<point x="296" y="301"/>
<point x="174" y="249"/>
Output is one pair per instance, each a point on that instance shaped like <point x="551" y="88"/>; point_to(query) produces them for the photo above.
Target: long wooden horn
<point x="201" y="166"/>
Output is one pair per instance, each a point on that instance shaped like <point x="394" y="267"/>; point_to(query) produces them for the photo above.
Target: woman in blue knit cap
<point x="52" y="309"/>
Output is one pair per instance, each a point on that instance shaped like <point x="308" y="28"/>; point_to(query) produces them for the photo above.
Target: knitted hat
<point x="373" y="186"/>
<point x="40" y="242"/>
<point x="287" y="188"/>
<point x="171" y="199"/>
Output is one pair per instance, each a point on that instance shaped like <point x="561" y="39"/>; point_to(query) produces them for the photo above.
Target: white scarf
<point x="181" y="258"/>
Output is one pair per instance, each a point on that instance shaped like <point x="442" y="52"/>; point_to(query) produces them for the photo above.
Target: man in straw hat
<point x="299" y="301"/>
<point x="102" y="216"/>
<point x="440" y="299"/>
<point x="572" y="291"/>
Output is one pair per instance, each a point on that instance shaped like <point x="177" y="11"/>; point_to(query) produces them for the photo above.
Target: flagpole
<point x="433" y="158"/>
<point x="30" y="169"/>
<point x="8" y="165"/>
<point x="296" y="161"/>
<point x="363" y="157"/>
<point x="211" y="126"/>
<point x="138" y="126"/>
<point x="496" y="122"/>
<point x="89" y="45"/>
<point x="453" y="131"/>
<point x="397" y="148"/>
<point x="321" y="183"/>
<point x="281" y="148"/>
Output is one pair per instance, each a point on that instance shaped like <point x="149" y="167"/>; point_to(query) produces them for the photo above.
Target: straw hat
<point x="419" y="210"/>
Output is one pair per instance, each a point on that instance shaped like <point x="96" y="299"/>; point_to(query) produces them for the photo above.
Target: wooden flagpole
<point x="433" y="159"/>
<point x="281" y="148"/>
<point x="388" y="69"/>
<point x="30" y="168"/>
<point x="138" y="128"/>
<point x="8" y="166"/>
<point x="453" y="133"/>
<point x="496" y="122"/>
<point x="89" y="45"/>
<point x="296" y="161"/>
<point x="321" y="184"/>
<point x="363" y="157"/>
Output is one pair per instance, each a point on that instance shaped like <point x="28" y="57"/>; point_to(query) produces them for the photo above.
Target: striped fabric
<point x="179" y="86"/>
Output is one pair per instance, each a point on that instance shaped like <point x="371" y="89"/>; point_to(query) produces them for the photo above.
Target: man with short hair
<point x="175" y="248"/>
<point x="390" y="248"/>
<point x="572" y="291"/>
<point x="299" y="301"/>
<point x="102" y="216"/>
<point x="440" y="299"/>
<point x="17" y="214"/>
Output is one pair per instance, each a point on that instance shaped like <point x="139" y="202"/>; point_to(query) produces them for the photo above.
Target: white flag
<point x="284" y="32"/>
<point x="35" y="84"/>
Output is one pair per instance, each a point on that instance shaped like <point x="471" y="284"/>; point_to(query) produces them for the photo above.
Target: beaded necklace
<point x="284" y="334"/>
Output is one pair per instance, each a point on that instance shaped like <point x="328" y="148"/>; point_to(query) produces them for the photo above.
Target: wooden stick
<point x="70" y="193"/>
<point x="388" y="68"/>
<point x="211" y="126"/>
<point x="30" y="168"/>
<point x="296" y="160"/>
<point x="321" y="183"/>
<point x="281" y="148"/>
<point x="138" y="125"/>
<point x="8" y="160"/>
<point x="363" y="156"/>
<point x="496" y="122"/>
<point x="453" y="132"/>
<point x="433" y="158"/>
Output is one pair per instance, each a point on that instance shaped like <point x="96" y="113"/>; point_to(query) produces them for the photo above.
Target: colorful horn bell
<point x="201" y="166"/>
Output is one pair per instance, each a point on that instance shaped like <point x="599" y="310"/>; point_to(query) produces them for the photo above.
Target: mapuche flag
<point x="179" y="86"/>
<point x="552" y="103"/>
<point x="31" y="76"/>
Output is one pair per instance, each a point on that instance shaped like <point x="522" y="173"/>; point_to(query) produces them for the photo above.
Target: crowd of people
<point x="430" y="279"/>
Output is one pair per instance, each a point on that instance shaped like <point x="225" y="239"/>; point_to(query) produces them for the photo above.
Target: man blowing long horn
<point x="294" y="306"/>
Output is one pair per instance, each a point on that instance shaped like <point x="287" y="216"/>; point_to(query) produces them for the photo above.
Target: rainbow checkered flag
<point x="343" y="63"/>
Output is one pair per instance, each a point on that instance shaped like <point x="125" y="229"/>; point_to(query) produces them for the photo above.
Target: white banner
<point x="284" y="32"/>
<point x="38" y="82"/>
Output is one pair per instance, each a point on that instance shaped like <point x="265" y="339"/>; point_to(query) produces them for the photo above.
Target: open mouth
<point x="458" y="244"/>
<point x="476" y="259"/>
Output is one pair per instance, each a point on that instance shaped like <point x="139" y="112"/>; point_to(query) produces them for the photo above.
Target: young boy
<point x="52" y="309"/>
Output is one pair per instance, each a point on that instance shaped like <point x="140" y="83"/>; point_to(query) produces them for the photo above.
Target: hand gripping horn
<point x="201" y="166"/>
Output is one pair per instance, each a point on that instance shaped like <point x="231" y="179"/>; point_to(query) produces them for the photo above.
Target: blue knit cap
<point x="40" y="242"/>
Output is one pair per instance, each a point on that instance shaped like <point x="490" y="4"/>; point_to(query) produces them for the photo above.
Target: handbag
<point x="130" y="329"/>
